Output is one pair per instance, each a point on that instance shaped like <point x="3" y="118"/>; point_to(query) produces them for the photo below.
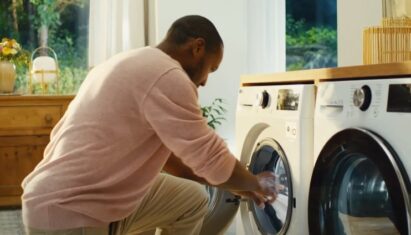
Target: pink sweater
<point x="130" y="113"/>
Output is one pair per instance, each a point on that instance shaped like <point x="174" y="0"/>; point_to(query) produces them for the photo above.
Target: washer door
<point x="274" y="218"/>
<point x="359" y="187"/>
<point x="222" y="208"/>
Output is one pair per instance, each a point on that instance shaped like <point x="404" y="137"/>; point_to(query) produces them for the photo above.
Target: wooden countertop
<point x="313" y="76"/>
<point x="35" y="97"/>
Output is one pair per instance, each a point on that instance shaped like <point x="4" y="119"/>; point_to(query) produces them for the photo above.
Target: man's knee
<point x="200" y="194"/>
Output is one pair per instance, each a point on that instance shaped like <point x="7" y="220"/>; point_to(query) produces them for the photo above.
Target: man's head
<point x="195" y="42"/>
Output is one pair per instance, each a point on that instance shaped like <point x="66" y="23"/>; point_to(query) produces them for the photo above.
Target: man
<point x="134" y="116"/>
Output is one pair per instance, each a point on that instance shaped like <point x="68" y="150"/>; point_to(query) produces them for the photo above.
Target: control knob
<point x="263" y="99"/>
<point x="362" y="97"/>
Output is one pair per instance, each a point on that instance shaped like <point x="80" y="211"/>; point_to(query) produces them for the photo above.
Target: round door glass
<point x="358" y="186"/>
<point x="363" y="203"/>
<point x="275" y="217"/>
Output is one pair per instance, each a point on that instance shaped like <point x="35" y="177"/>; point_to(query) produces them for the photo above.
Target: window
<point x="59" y="24"/>
<point x="311" y="34"/>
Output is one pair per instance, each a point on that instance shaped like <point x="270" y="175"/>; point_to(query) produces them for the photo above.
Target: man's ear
<point x="198" y="47"/>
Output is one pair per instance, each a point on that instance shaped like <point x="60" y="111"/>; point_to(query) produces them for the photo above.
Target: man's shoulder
<point x="154" y="54"/>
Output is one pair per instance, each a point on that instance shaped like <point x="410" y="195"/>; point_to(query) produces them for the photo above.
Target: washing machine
<point x="274" y="132"/>
<point x="222" y="210"/>
<point x="362" y="151"/>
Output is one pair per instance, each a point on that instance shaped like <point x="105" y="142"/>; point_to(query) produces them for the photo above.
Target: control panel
<point x="284" y="98"/>
<point x="364" y="98"/>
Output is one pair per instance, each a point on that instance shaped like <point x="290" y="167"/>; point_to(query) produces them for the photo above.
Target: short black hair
<point x="195" y="26"/>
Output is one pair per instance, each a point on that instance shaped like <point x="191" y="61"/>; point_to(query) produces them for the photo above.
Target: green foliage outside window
<point x="310" y="46"/>
<point x="47" y="13"/>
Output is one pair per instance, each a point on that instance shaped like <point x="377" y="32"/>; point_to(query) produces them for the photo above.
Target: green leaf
<point x="214" y="113"/>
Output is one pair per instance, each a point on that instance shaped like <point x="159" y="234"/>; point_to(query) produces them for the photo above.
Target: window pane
<point x="65" y="30"/>
<point x="311" y="34"/>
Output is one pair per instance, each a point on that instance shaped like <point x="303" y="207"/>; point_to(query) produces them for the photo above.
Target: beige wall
<point x="352" y="17"/>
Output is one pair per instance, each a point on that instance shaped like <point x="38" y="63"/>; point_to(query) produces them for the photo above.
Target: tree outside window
<point x="59" y="24"/>
<point x="311" y="34"/>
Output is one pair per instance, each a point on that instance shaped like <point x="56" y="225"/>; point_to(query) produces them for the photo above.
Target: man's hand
<point x="267" y="192"/>
<point x="268" y="186"/>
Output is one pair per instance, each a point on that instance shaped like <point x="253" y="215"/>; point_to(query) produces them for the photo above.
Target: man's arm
<point x="240" y="179"/>
<point x="260" y="188"/>
<point x="177" y="168"/>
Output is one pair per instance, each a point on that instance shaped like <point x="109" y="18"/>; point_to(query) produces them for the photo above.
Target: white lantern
<point x="44" y="69"/>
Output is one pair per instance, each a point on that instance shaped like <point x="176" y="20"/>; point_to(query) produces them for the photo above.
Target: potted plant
<point x="214" y="113"/>
<point x="11" y="54"/>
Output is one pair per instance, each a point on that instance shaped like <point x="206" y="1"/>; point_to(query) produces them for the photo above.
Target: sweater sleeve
<point x="171" y="108"/>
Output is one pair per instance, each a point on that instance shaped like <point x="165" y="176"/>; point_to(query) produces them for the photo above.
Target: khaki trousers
<point x="172" y="206"/>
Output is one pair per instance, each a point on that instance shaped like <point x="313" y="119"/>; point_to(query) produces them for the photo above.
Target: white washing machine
<point x="274" y="132"/>
<point x="362" y="150"/>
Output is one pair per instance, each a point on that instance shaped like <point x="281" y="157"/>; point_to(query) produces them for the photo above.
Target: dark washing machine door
<point x="274" y="218"/>
<point x="359" y="186"/>
<point x="222" y="208"/>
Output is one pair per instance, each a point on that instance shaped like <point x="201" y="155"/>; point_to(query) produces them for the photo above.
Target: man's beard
<point x="194" y="73"/>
